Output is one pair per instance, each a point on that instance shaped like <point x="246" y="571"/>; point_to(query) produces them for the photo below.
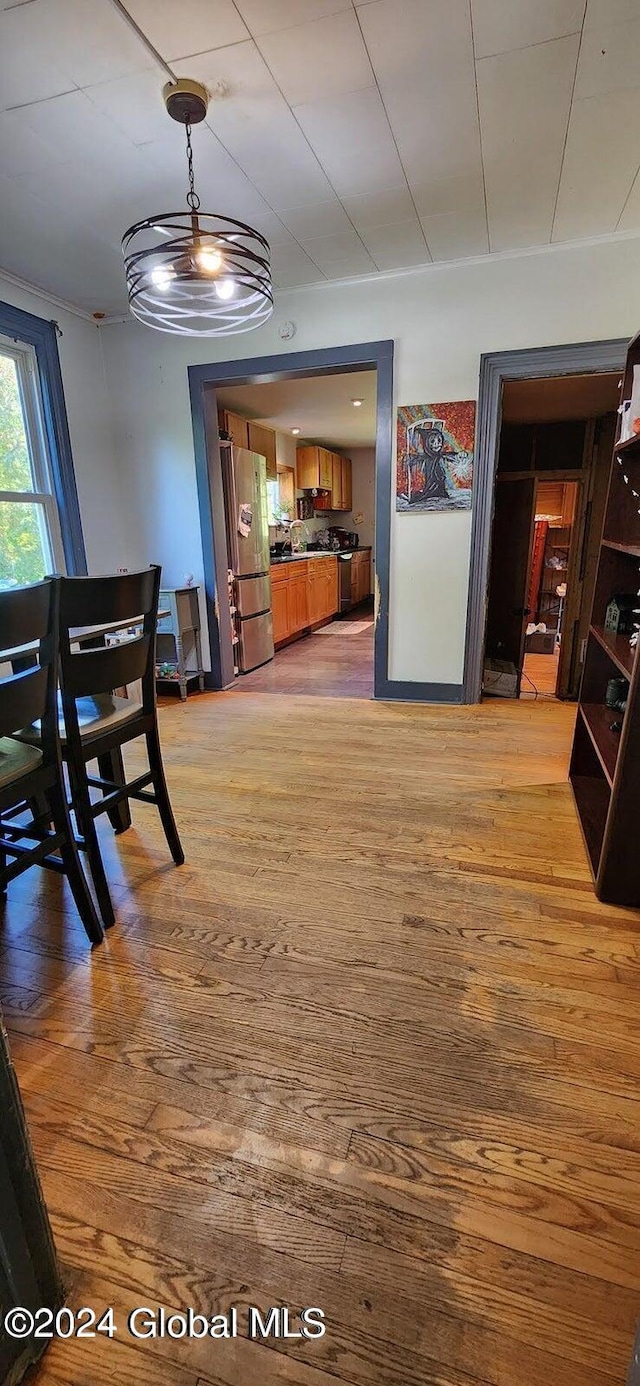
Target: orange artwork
<point x="435" y="456"/>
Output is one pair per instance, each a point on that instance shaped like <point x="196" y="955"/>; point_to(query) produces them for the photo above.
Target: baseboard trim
<point x="404" y="691"/>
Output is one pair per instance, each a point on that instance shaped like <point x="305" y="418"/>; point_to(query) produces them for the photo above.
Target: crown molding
<point x="381" y="276"/>
<point x="36" y="289"/>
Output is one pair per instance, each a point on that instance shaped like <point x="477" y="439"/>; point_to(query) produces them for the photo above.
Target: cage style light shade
<point x="197" y="274"/>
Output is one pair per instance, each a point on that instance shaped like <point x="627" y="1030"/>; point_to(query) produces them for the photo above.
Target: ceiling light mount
<point x="186" y="101"/>
<point x="209" y="275"/>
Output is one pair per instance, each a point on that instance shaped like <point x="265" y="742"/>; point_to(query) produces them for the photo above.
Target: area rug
<point x="345" y="628"/>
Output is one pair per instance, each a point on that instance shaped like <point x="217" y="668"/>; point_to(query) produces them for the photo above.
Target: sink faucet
<point x="296" y="543"/>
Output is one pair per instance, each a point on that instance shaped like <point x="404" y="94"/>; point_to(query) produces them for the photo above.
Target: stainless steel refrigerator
<point x="245" y="493"/>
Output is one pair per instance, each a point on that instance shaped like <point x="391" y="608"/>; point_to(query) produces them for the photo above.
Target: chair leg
<point x="111" y="767"/>
<point x="162" y="794"/>
<point x="87" y="828"/>
<point x="71" y="860"/>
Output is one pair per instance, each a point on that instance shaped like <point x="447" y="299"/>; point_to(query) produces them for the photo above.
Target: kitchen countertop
<point x="318" y="553"/>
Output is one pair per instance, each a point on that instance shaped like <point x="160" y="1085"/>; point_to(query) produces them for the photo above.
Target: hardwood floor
<point x="335" y="662"/>
<point x="375" y="1048"/>
<point x="540" y="675"/>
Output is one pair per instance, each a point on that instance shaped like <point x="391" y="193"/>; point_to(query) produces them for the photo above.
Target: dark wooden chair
<point x="97" y="723"/>
<point x="33" y="775"/>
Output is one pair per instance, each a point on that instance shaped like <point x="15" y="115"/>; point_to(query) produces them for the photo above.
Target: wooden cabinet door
<point x="325" y="467"/>
<point x="263" y="441"/>
<point x="347" y="502"/>
<point x="307" y="467"/>
<point x="332" y="587"/>
<point x="336" y="482"/>
<point x="236" y="427"/>
<point x="298" y="598"/>
<point x="280" y="609"/>
<point x="315" y="590"/>
<point x="287" y="491"/>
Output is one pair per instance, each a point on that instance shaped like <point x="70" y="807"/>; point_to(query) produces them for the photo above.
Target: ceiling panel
<point x="257" y="127"/>
<point x="448" y="195"/>
<point x="397" y="245"/>
<point x="313" y="62"/>
<point x="339" y="255"/>
<point x="292" y="267"/>
<point x="608" y="59"/>
<point x="453" y="235"/>
<point x="184" y="28"/>
<point x="318" y="219"/>
<point x="134" y="104"/>
<point x="610" y="11"/>
<point x="630" y="216"/>
<point x="600" y="164"/>
<point x="384" y="208"/>
<point x="351" y="136"/>
<point x="265" y="16"/>
<point x="524" y="99"/>
<point x="422" y="56"/>
<point x="501" y="25"/>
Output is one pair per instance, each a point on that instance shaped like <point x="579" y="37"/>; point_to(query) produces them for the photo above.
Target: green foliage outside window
<point x="22" y="551"/>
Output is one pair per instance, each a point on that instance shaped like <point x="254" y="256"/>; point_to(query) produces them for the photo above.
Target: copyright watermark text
<point x="145" y="1322"/>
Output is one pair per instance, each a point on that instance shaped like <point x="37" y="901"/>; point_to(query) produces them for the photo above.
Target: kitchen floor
<point x="335" y="662"/>
<point x="374" y="1048"/>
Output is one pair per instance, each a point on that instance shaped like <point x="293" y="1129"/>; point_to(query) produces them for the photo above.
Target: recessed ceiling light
<point x="296" y="431"/>
<point x="356" y="403"/>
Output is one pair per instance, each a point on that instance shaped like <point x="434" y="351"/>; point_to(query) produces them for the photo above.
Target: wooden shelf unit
<point x="605" y="764"/>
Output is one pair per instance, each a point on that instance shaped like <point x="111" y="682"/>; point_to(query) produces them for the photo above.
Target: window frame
<point x="25" y="329"/>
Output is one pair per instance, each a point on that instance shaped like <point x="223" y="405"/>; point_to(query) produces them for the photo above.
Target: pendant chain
<point x="192" y="196"/>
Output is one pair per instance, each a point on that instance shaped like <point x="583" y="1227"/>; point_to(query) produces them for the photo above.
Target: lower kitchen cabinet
<point x="302" y="595"/>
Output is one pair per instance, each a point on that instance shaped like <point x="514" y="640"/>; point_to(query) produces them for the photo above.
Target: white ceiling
<point x="560" y="397"/>
<point x="357" y="136"/>
<point x="320" y="406"/>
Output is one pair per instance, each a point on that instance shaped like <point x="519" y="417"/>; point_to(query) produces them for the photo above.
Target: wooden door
<point x="298" y="598"/>
<point x="336" y="482"/>
<point x="326" y="469"/>
<point x="287" y="491"/>
<point x="280" y="609"/>
<point x="263" y="441"/>
<point x="582" y="568"/>
<point x="308" y="468"/>
<point x="511" y="541"/>
<point x="347" y="503"/>
<point x="236" y="427"/>
<point x="332" y="602"/>
<point x="315" y="592"/>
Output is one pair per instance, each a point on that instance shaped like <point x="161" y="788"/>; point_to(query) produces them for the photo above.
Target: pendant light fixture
<point x="196" y="273"/>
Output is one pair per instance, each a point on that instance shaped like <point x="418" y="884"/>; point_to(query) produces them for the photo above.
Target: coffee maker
<point x="346" y="539"/>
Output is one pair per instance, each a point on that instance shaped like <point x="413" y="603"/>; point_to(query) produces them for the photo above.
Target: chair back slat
<point x="25" y="614"/>
<point x="23" y="699"/>
<point x="29" y="616"/>
<point x="88" y="602"/>
<point x="92" y="601"/>
<point x="102" y="670"/>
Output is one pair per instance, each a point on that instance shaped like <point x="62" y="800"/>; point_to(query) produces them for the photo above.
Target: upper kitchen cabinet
<point x="315" y="469"/>
<point x="336" y="482"/>
<point x="347" y="503"/>
<point x="237" y="428"/>
<point x="263" y="441"/>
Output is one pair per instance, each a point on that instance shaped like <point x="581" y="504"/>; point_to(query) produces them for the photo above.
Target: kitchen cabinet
<point x="263" y="441"/>
<point x="360" y="576"/>
<point x="287" y="491"/>
<point x="303" y="594"/>
<point x="347" y="503"/>
<point x="315" y="469"/>
<point x="237" y="428"/>
<point x="336" y="482"/>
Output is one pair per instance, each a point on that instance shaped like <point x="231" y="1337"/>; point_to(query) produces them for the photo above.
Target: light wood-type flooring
<point x="374" y="1048"/>
<point x="334" y="662"/>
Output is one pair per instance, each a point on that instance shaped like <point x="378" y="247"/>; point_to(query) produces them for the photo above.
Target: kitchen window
<point x="40" y="528"/>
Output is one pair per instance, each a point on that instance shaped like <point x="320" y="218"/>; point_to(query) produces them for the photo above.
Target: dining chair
<point x="33" y="775"/>
<point x="96" y="721"/>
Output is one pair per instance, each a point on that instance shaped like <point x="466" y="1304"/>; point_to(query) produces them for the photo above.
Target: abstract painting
<point x="435" y="456"/>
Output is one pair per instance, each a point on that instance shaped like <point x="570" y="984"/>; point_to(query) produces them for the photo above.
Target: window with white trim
<point x="30" y="535"/>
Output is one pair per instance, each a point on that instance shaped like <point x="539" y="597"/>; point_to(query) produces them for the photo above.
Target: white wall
<point x="441" y="319"/>
<point x="103" y="507"/>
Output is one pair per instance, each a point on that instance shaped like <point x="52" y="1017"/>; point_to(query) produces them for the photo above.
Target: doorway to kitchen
<point x="553" y="463"/>
<point x="317" y="438"/>
<point x="293" y="460"/>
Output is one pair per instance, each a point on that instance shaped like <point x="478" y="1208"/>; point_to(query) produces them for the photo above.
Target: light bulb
<point x="161" y="276"/>
<point x="296" y="431"/>
<point x="209" y="258"/>
<point x="225" y="288"/>
<point x="356" y="403"/>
